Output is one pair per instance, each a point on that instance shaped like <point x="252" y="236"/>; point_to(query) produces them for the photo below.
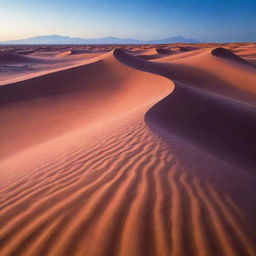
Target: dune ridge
<point x="47" y="104"/>
<point x="223" y="53"/>
<point x="203" y="118"/>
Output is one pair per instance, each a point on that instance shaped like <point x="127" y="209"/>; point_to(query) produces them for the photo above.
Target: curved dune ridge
<point x="82" y="174"/>
<point x="58" y="102"/>
<point x="223" y="53"/>
<point x="203" y="118"/>
<point x="247" y="52"/>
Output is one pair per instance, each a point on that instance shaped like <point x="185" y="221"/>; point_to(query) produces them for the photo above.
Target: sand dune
<point x="78" y="54"/>
<point x="180" y="55"/>
<point x="16" y="58"/>
<point x="154" y="54"/>
<point x="205" y="118"/>
<point x="164" y="51"/>
<point x="55" y="103"/>
<point x="223" y="53"/>
<point x="15" y="67"/>
<point x="65" y="53"/>
<point x="213" y="123"/>
<point x="205" y="71"/>
<point x="127" y="193"/>
<point x="247" y="52"/>
<point x="118" y="155"/>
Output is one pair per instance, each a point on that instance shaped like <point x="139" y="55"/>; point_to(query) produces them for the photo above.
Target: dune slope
<point x="8" y="58"/>
<point x="196" y="109"/>
<point x="126" y="192"/>
<point x="50" y="105"/>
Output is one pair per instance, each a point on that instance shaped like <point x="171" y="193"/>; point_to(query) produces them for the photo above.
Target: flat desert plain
<point x="128" y="150"/>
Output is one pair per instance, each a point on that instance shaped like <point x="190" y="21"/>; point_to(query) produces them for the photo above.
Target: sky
<point x="203" y="20"/>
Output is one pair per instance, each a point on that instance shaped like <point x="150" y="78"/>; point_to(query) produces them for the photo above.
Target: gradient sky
<point x="203" y="20"/>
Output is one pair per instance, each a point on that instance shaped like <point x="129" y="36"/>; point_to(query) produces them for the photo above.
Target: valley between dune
<point x="130" y="153"/>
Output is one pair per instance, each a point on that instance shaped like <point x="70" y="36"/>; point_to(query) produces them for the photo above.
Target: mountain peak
<point x="59" y="39"/>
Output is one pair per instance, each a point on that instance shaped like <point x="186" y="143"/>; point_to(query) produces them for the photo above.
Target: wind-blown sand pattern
<point x="121" y="154"/>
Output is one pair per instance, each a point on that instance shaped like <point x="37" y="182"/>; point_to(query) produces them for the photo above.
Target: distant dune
<point x="15" y="58"/>
<point x="140" y="150"/>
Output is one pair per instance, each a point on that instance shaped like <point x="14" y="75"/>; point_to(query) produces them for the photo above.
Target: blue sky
<point x="204" y="20"/>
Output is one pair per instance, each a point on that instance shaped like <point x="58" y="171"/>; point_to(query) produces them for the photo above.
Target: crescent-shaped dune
<point x="124" y="156"/>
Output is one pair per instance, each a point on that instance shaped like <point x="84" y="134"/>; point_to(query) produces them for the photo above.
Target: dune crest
<point x="202" y="118"/>
<point x="224" y="53"/>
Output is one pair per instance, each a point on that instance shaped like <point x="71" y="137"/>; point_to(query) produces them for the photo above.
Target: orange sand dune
<point x="118" y="155"/>
<point x="78" y="54"/>
<point x="155" y="53"/>
<point x="247" y="52"/>
<point x="206" y="71"/>
<point x="55" y="103"/>
<point x="16" y="67"/>
<point x="205" y="118"/>
<point x="126" y="193"/>
<point x="180" y="55"/>
<point x="211" y="122"/>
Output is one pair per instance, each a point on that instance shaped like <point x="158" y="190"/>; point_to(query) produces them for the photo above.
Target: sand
<point x="109" y="152"/>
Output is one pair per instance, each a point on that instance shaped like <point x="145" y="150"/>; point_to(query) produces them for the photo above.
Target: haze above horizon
<point x="208" y="20"/>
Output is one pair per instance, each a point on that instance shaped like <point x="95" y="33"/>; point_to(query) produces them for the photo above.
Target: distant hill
<point x="177" y="39"/>
<point x="56" y="39"/>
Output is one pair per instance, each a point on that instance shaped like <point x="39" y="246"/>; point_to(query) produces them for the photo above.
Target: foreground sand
<point x="82" y="173"/>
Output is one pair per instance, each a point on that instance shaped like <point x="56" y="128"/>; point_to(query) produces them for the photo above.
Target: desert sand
<point x="128" y="150"/>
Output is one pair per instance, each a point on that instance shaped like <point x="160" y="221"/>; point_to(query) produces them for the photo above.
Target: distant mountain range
<point x="56" y="39"/>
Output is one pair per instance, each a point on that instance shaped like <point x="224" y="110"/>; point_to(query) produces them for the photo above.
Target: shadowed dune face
<point x="223" y="53"/>
<point x="164" y="51"/>
<point x="247" y="52"/>
<point x="219" y="125"/>
<point x="217" y="75"/>
<point x="16" y="58"/>
<point x="119" y="155"/>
